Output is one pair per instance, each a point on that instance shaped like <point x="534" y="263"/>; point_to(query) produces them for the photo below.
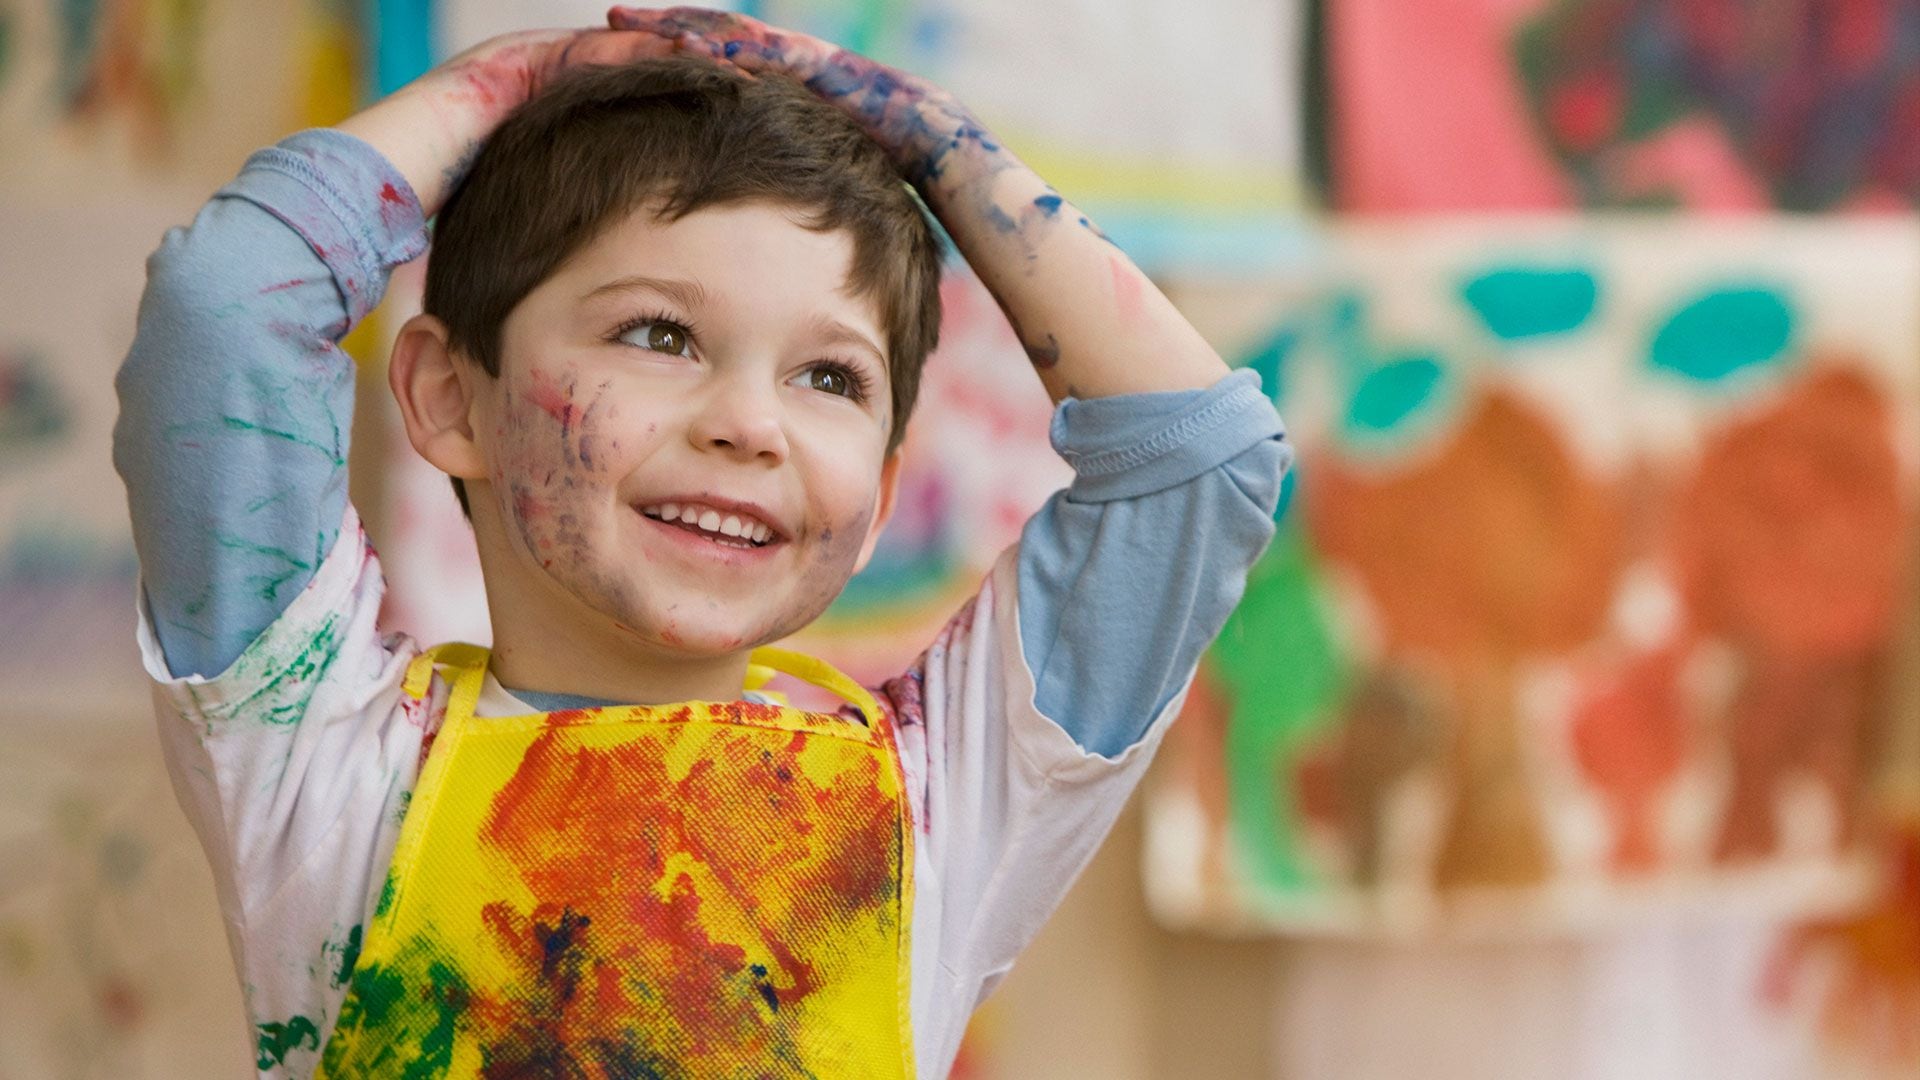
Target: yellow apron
<point x="701" y="890"/>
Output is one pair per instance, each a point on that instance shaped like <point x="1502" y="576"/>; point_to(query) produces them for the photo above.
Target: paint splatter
<point x="1864" y="970"/>
<point x="344" y="954"/>
<point x="1389" y="388"/>
<point x="276" y="1040"/>
<point x="550" y="398"/>
<point x="1394" y="393"/>
<point x="711" y="887"/>
<point x="1811" y="105"/>
<point x="1724" y="332"/>
<point x="1517" y="303"/>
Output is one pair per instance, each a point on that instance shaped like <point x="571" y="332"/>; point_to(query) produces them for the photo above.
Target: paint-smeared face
<point x="689" y="430"/>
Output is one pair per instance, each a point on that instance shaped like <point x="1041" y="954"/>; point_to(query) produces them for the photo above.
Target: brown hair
<point x="600" y="142"/>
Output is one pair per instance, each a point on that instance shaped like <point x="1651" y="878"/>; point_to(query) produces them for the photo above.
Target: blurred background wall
<point x="1569" y="728"/>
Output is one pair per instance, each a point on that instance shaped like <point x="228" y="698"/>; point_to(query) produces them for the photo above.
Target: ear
<point x="435" y="399"/>
<point x="883" y="511"/>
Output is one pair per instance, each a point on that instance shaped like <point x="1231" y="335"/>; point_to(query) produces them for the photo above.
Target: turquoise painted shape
<point x="1385" y="390"/>
<point x="1723" y="332"/>
<point x="1391" y="394"/>
<point x="1269" y="359"/>
<point x="1519" y="302"/>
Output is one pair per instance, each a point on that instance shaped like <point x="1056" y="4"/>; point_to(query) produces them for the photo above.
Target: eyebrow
<point x="832" y="331"/>
<point x="688" y="294"/>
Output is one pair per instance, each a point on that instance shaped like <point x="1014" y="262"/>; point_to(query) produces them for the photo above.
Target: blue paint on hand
<point x="1048" y="204"/>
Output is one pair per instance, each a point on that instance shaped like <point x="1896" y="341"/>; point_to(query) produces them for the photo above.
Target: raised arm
<point x="235" y="398"/>
<point x="1091" y="322"/>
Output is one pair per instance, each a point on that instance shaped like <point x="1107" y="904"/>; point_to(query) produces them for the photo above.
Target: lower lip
<point x="698" y="545"/>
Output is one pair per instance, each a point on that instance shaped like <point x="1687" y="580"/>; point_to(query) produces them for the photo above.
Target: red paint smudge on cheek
<point x="527" y="506"/>
<point x="550" y="398"/>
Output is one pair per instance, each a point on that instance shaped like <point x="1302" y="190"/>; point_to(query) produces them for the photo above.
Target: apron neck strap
<point x="817" y="672"/>
<point x="469" y="664"/>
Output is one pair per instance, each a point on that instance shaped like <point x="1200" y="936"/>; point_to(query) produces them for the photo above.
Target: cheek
<point x="554" y="438"/>
<point x="836" y="553"/>
<point x="558" y="431"/>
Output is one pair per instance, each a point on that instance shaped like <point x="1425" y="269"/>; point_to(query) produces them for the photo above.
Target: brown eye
<point x="666" y="337"/>
<point x="831" y="381"/>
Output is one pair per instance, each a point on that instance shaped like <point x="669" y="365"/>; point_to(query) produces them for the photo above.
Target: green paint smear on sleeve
<point x="1724" y="332"/>
<point x="347" y="954"/>
<point x="1281" y="668"/>
<point x="277" y="1040"/>
<point x="1518" y="302"/>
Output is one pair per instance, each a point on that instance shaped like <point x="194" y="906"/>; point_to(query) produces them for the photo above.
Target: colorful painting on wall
<point x="1696" y="104"/>
<point x="1178" y="180"/>
<point x="1586" y="600"/>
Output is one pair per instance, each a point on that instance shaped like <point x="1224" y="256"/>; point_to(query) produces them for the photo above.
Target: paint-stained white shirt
<point x="295" y="766"/>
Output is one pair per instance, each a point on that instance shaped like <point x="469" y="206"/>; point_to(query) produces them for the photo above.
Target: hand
<point x="919" y="124"/>
<point x="431" y="128"/>
<point x="1062" y="285"/>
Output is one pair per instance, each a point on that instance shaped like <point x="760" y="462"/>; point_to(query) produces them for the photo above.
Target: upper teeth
<point x="707" y="519"/>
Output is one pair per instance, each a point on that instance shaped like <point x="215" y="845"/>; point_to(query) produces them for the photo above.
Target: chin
<point x="695" y="640"/>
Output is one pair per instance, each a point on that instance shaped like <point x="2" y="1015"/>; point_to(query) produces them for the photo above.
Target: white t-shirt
<point x="296" y="765"/>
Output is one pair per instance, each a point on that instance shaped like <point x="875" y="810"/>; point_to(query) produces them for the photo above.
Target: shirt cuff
<point x="346" y="199"/>
<point x="1129" y="445"/>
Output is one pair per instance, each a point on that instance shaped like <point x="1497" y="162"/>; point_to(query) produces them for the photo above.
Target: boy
<point x="672" y="332"/>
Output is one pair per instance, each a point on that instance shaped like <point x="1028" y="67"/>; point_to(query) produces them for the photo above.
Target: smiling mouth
<point x="727" y="530"/>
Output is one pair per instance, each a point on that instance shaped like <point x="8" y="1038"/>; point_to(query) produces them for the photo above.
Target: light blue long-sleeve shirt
<point x="236" y="403"/>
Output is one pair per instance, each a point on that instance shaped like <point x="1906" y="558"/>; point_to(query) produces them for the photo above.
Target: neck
<point x="559" y="656"/>
<point x="547" y="640"/>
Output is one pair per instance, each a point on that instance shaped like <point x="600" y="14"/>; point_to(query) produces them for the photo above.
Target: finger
<point x="614" y="47"/>
<point x="670" y="22"/>
<point x="628" y="18"/>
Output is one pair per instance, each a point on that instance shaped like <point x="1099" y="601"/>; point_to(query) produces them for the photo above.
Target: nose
<point x="741" y="420"/>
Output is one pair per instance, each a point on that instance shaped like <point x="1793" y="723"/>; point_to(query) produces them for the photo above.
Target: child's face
<point x="711" y="368"/>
